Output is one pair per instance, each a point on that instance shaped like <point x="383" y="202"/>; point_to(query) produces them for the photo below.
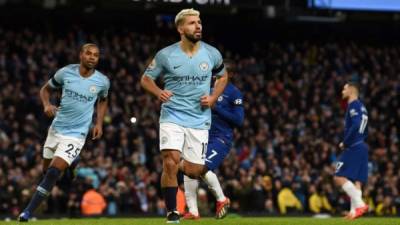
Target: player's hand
<point x="207" y="101"/>
<point x="50" y="110"/>
<point x="97" y="132"/>
<point x="341" y="145"/>
<point x="164" y="95"/>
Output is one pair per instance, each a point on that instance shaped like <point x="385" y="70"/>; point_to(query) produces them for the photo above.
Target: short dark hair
<point x="87" y="45"/>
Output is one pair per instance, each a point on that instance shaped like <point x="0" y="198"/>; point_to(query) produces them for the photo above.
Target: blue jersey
<point x="227" y="114"/>
<point x="356" y="121"/>
<point x="79" y="95"/>
<point x="188" y="78"/>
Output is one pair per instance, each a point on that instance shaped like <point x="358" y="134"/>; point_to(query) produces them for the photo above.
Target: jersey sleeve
<point x="104" y="92"/>
<point x="237" y="99"/>
<point x="156" y="67"/>
<point x="57" y="81"/>
<point x="219" y="68"/>
<point x="234" y="116"/>
<point x="355" y="117"/>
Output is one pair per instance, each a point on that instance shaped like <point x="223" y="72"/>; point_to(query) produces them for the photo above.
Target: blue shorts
<point x="353" y="163"/>
<point x="217" y="150"/>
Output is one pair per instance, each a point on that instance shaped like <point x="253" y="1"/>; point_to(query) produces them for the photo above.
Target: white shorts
<point x="67" y="148"/>
<point x="192" y="143"/>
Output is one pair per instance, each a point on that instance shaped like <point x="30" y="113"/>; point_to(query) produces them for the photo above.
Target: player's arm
<point x="150" y="85"/>
<point x="236" y="116"/>
<point x="354" y="128"/>
<point x="222" y="79"/>
<point x="102" y="106"/>
<point x="55" y="82"/>
<point x="152" y="72"/>
<point x="219" y="87"/>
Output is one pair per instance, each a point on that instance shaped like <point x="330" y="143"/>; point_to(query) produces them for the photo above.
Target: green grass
<point x="211" y="221"/>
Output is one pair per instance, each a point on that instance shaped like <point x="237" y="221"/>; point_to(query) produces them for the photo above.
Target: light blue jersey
<point x="188" y="78"/>
<point x="79" y="95"/>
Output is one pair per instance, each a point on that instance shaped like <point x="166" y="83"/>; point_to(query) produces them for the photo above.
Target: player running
<point x="352" y="165"/>
<point x="227" y="113"/>
<point x="185" y="116"/>
<point x="81" y="86"/>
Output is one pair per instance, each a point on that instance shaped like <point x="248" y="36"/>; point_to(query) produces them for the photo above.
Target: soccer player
<point x="81" y="86"/>
<point x="185" y="116"/>
<point x="227" y="113"/>
<point x="352" y="165"/>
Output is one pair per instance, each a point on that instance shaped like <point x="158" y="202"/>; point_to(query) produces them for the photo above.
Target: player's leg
<point x="169" y="182"/>
<point x="191" y="186"/>
<point x="194" y="153"/>
<point x="49" y="147"/>
<point x="45" y="166"/>
<point x="67" y="149"/>
<point x="171" y="144"/>
<point x="43" y="190"/>
<point x="216" y="153"/>
<point x="347" y="169"/>
<point x="193" y="167"/>
<point x="361" y="178"/>
<point x="70" y="173"/>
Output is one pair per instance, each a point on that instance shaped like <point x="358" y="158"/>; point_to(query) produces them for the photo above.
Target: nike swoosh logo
<point x="176" y="67"/>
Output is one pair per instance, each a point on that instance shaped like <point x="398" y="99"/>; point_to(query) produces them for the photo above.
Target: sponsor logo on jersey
<point x="238" y="101"/>
<point x="77" y="96"/>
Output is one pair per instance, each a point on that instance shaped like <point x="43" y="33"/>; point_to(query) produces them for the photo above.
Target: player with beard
<point x="81" y="86"/>
<point x="187" y="67"/>
<point x="352" y="165"/>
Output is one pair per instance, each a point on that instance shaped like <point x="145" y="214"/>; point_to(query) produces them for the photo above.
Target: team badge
<point x="220" y="98"/>
<point x="93" y="89"/>
<point x="353" y="112"/>
<point x="164" y="140"/>
<point x="203" y="66"/>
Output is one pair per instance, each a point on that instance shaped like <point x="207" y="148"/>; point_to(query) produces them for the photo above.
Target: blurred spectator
<point x="318" y="201"/>
<point x="93" y="203"/>
<point x="181" y="201"/>
<point x="386" y="208"/>
<point x="288" y="202"/>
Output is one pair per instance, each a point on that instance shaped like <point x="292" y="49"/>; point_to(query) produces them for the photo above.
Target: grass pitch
<point x="211" y="221"/>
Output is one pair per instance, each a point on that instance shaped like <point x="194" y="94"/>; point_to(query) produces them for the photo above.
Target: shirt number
<point x="214" y="153"/>
<point x="363" y="125"/>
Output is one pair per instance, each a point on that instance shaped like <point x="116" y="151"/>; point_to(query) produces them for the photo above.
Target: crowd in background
<point x="281" y="162"/>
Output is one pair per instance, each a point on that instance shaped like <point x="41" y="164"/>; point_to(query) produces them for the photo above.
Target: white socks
<point x="191" y="186"/>
<point x="213" y="184"/>
<point x="354" y="194"/>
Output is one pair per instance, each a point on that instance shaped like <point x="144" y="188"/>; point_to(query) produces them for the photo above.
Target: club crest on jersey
<point x="220" y="98"/>
<point x="152" y="65"/>
<point x="93" y="89"/>
<point x="203" y="66"/>
<point x="353" y="112"/>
